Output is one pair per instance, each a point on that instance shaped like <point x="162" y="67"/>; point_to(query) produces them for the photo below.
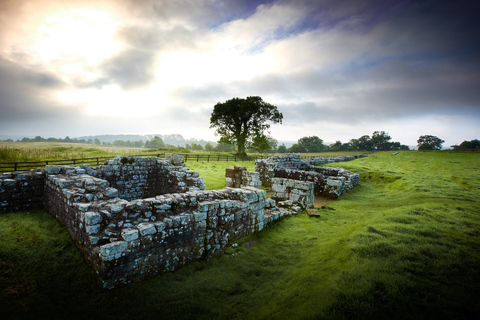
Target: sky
<point x="335" y="69"/>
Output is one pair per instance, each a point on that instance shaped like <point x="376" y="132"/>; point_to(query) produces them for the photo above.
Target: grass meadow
<point x="403" y="244"/>
<point x="41" y="151"/>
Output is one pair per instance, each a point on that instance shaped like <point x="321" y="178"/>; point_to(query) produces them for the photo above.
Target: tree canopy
<point x="469" y="145"/>
<point x="311" y="144"/>
<point x="429" y="142"/>
<point x="155" y="143"/>
<point x="243" y="121"/>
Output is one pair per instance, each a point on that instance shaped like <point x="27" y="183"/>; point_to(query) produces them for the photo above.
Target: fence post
<point x="98" y="163"/>
<point x="218" y="158"/>
<point x="208" y="158"/>
<point x="15" y="166"/>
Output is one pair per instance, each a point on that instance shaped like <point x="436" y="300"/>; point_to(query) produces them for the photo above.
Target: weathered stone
<point x="92" y="218"/>
<point x="313" y="213"/>
<point x="113" y="250"/>
<point x="146" y="228"/>
<point x="129" y="234"/>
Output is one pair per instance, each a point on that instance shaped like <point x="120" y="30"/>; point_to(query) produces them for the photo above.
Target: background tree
<point x="296" y="148"/>
<point x="263" y="145"/>
<point x="429" y="142"/>
<point x="282" y="148"/>
<point x="337" y="146"/>
<point x="311" y="144"/>
<point x="470" y="145"/>
<point x="365" y="143"/>
<point x="208" y="147"/>
<point x="155" y="143"/>
<point x="381" y="140"/>
<point x="240" y="121"/>
<point x="224" y="147"/>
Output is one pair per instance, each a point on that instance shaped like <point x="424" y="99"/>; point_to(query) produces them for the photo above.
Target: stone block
<point x="112" y="251"/>
<point x="92" y="229"/>
<point x="92" y="218"/>
<point x="146" y="228"/>
<point x="199" y="216"/>
<point x="129" y="234"/>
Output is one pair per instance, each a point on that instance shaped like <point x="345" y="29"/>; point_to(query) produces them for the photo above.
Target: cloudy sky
<point x="335" y="69"/>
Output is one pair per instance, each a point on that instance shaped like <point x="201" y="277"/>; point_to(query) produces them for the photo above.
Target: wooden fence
<point x="22" y="166"/>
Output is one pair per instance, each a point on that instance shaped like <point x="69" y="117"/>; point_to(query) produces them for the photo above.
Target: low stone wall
<point x="322" y="160"/>
<point x="143" y="177"/>
<point x="299" y="192"/>
<point x="328" y="182"/>
<point x="126" y="239"/>
<point x="135" y="217"/>
<point x="21" y="190"/>
<point x="239" y="177"/>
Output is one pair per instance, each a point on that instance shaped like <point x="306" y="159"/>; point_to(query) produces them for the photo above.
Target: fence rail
<point x="22" y="166"/>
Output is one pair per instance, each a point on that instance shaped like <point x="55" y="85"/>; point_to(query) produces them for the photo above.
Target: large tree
<point x="429" y="142"/>
<point x="243" y="121"/>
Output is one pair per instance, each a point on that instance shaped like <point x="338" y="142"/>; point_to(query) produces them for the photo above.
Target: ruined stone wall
<point x="143" y="177"/>
<point x="318" y="179"/>
<point x="126" y="239"/>
<point x="266" y="167"/>
<point x="181" y="228"/>
<point x="21" y="190"/>
<point x="239" y="177"/>
<point x="328" y="182"/>
<point x="69" y="192"/>
<point x="322" y="160"/>
<point x="299" y="192"/>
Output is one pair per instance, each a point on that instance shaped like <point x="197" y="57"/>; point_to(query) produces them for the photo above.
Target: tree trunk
<point x="241" y="147"/>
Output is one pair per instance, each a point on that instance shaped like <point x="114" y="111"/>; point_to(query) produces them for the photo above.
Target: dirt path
<point x="321" y="201"/>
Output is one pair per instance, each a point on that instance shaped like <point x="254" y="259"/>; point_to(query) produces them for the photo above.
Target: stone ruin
<point x="135" y="217"/>
<point x="294" y="181"/>
<point x="328" y="182"/>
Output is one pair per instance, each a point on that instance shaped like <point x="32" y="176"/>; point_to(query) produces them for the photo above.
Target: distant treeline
<point x="154" y="143"/>
<point x="468" y="145"/>
<point x="379" y="141"/>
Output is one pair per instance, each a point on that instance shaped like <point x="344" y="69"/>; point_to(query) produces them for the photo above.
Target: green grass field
<point x="40" y="151"/>
<point x="404" y="244"/>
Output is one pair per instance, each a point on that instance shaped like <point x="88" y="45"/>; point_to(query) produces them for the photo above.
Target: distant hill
<point x="173" y="139"/>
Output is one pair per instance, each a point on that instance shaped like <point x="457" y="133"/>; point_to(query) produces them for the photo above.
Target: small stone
<point x="146" y="228"/>
<point x="313" y="213"/>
